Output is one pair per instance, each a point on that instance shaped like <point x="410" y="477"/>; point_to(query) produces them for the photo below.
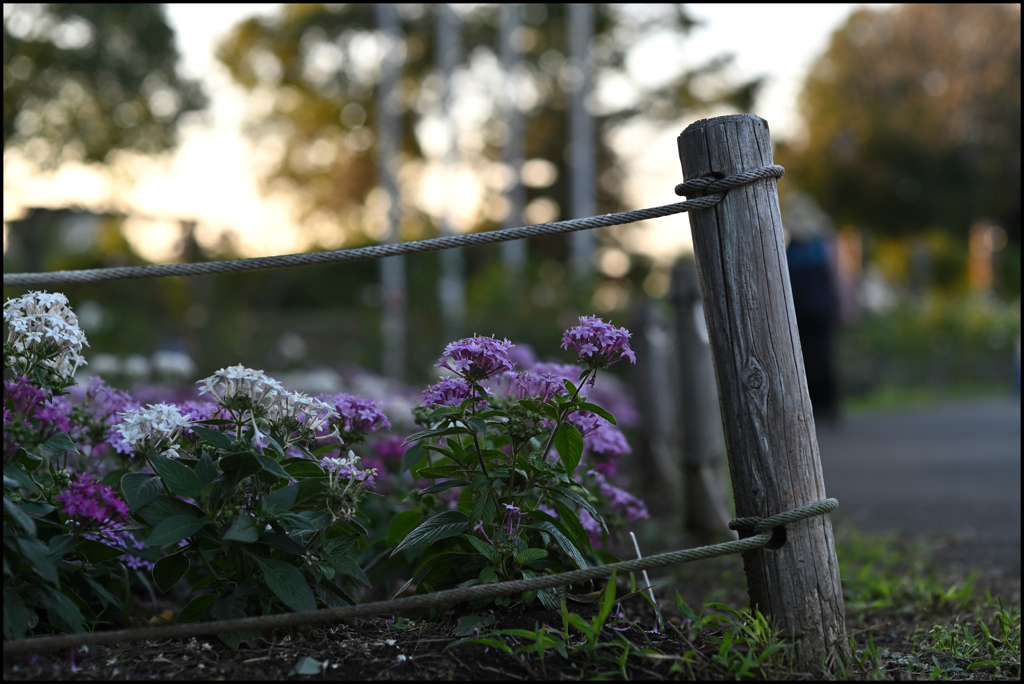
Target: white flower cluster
<point x="157" y="424"/>
<point x="263" y="391"/>
<point x="42" y="328"/>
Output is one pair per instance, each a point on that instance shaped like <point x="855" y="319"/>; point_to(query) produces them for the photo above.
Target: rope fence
<point x="764" y="531"/>
<point x="708" y="192"/>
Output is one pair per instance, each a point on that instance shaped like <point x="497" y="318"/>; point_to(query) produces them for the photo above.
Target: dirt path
<point x="949" y="473"/>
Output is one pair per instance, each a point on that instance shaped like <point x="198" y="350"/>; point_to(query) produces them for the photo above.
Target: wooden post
<point x="770" y="440"/>
<point x="706" y="514"/>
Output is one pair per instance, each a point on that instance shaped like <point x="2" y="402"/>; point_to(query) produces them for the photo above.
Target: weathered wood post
<point x="770" y="440"/>
<point x="702" y="454"/>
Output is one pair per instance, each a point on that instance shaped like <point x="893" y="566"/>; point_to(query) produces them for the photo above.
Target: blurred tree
<point x="84" y="80"/>
<point x="913" y="120"/>
<point x="312" y="71"/>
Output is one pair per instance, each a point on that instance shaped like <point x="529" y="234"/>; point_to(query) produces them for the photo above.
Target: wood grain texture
<point x="770" y="439"/>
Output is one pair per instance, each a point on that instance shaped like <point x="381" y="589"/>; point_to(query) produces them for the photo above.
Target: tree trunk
<point x="766" y="411"/>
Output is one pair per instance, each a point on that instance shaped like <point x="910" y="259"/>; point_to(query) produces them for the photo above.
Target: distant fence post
<point x="656" y="397"/>
<point x="702" y="455"/>
<point x="766" y="412"/>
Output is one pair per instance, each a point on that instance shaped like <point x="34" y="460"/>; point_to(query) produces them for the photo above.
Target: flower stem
<point x="565" y="412"/>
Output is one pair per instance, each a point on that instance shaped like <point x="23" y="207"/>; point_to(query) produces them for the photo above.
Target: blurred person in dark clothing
<point x="815" y="299"/>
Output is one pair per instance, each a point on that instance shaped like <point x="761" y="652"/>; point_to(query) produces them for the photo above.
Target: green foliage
<point x="84" y="80"/>
<point x="318" y="65"/>
<point x="913" y="120"/>
<point x="936" y="344"/>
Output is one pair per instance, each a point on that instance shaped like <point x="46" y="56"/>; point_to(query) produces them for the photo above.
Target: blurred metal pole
<point x="451" y="286"/>
<point x="514" y="252"/>
<point x="581" y="135"/>
<point x="392" y="269"/>
<point x="703" y="454"/>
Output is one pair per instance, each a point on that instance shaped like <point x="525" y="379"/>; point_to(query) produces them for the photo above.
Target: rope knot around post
<point x="713" y="185"/>
<point x="776" y="524"/>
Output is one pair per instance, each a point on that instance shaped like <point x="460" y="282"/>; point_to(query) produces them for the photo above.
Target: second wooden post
<point x="770" y="439"/>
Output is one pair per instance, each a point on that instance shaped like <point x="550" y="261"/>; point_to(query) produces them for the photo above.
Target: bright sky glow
<point x="213" y="176"/>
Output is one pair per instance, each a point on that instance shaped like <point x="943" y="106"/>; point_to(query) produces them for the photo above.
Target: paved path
<point x="949" y="469"/>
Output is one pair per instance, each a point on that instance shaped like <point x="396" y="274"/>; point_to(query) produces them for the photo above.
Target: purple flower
<point x="512" y="517"/>
<point x="599" y="344"/>
<point x="630" y="507"/>
<point x="541" y="387"/>
<point x="601" y="439"/>
<point x="448" y="392"/>
<point x="89" y="502"/>
<point x="477" y="358"/>
<point x="390" y="449"/>
<point x="53" y="415"/>
<point x="22" y="395"/>
<point x="356" y="416"/>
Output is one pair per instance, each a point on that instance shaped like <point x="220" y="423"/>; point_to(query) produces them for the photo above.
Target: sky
<point x="212" y="177"/>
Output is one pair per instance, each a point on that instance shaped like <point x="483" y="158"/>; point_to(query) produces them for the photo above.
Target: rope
<point x="713" y="192"/>
<point x="760" y="539"/>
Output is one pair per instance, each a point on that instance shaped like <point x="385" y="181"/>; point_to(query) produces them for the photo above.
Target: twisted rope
<point x="712" y="189"/>
<point x="760" y="539"/>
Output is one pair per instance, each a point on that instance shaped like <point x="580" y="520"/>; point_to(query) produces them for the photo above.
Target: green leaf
<point x="594" y="408"/>
<point x="163" y="507"/>
<point x="179" y="478"/>
<point x="442" y="486"/>
<point x="302" y="467"/>
<point x="577" y="499"/>
<point x="488" y="551"/>
<point x="483" y="511"/>
<point x="272" y="466"/>
<point x="195" y="609"/>
<point x="140" y="488"/>
<point x="15" y="614"/>
<point x="347" y="566"/>
<point x="280" y="501"/>
<point x="281" y="541"/>
<point x="441" y="526"/>
<point x="242" y="530"/>
<point x="528" y="555"/>
<point x="477" y="424"/>
<point x="20" y="516"/>
<point x="412" y="456"/>
<point x="468" y="624"/>
<point x="15" y="476"/>
<point x="240" y="465"/>
<point x="97" y="552"/>
<point x="571" y="522"/>
<point x="64" y="608"/>
<point x="440" y="431"/>
<point x="607" y="601"/>
<point x="26" y="460"/>
<point x="569" y="443"/>
<point x="39" y="556"/>
<point x="433" y="472"/>
<point x="169" y="569"/>
<point x="174" y="529"/>
<point x="205" y="470"/>
<point x="58" y="444"/>
<point x="287" y="583"/>
<point x="401" y="525"/>
<point x="213" y="437"/>
<point x="562" y="540"/>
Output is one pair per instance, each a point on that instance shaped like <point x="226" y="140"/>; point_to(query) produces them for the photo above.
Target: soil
<point x="416" y="648"/>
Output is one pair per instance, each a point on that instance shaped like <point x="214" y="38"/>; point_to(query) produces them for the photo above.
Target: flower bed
<point x="247" y="498"/>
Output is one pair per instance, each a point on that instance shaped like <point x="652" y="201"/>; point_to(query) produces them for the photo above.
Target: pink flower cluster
<point x="448" y="392"/>
<point x="356" y="416"/>
<point x="88" y="502"/>
<point x="599" y="344"/>
<point x="477" y="358"/>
